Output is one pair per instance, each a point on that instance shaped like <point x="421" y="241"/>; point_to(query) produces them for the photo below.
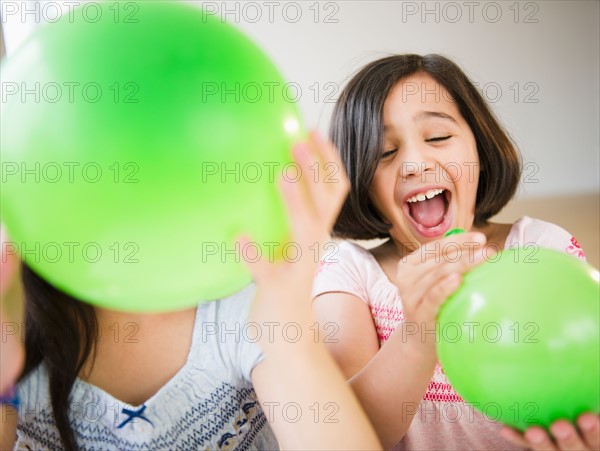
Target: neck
<point x="137" y="353"/>
<point x="106" y="316"/>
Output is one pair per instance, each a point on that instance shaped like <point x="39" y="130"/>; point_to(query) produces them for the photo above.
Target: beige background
<point x="580" y="215"/>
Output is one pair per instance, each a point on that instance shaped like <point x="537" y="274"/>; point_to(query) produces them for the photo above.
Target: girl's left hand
<point x="565" y="436"/>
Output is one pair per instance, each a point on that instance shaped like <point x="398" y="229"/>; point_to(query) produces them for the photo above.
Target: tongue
<point x="430" y="212"/>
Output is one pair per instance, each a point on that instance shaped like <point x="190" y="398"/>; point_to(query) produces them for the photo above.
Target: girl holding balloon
<point x="424" y="155"/>
<point x="178" y="386"/>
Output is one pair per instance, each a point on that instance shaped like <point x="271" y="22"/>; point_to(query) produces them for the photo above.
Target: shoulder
<point x="348" y="249"/>
<point x="234" y="308"/>
<point x="34" y="391"/>
<point x="346" y="254"/>
<point x="347" y="268"/>
<point x="36" y="428"/>
<point x="529" y="231"/>
<point x="225" y="342"/>
<point x="219" y="325"/>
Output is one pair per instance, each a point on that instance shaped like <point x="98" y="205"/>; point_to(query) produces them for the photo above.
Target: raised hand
<point x="428" y="276"/>
<point x="312" y="204"/>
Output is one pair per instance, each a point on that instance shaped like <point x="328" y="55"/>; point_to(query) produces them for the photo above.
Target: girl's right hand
<point x="312" y="204"/>
<point x="11" y="316"/>
<point x="429" y="275"/>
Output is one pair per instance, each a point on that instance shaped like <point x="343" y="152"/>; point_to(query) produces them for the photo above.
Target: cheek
<point x="463" y="168"/>
<point x="382" y="193"/>
<point x="472" y="170"/>
<point x="454" y="172"/>
<point x="469" y="176"/>
<point x="376" y="197"/>
<point x="470" y="182"/>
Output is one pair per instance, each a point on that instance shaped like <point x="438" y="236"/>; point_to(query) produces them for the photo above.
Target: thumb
<point x="250" y="254"/>
<point x="440" y="293"/>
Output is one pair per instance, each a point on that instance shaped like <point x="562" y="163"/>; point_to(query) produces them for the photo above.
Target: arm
<point x="300" y="373"/>
<point x="306" y="399"/>
<point x="355" y="341"/>
<point x="391" y="382"/>
<point x="11" y="348"/>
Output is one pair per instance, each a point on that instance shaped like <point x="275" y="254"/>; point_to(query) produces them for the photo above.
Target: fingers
<point x="538" y="439"/>
<point x="589" y="425"/>
<point x="442" y="290"/>
<point x="428" y="276"/>
<point x="534" y="438"/>
<point x="514" y="436"/>
<point x="450" y="249"/>
<point x="563" y="436"/>
<point x="258" y="268"/>
<point x="304" y="231"/>
<point x="328" y="154"/>
<point x="439" y="293"/>
<point x="327" y="180"/>
<point x="566" y="436"/>
<point x="304" y="221"/>
<point x="312" y="202"/>
<point x="423" y="271"/>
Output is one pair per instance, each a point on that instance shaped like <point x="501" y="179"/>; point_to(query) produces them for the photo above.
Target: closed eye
<point x="438" y="139"/>
<point x="388" y="153"/>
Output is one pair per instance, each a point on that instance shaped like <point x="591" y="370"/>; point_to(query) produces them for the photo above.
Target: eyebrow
<point x="428" y="114"/>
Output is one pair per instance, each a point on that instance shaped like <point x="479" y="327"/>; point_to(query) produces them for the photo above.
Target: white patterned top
<point x="208" y="404"/>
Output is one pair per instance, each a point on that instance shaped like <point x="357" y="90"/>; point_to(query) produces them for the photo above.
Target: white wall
<point x="539" y="62"/>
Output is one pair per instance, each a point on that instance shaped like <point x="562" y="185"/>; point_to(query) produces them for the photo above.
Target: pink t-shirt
<point x="443" y="420"/>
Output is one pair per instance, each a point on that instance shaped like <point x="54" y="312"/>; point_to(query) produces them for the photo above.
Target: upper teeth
<point x="426" y="195"/>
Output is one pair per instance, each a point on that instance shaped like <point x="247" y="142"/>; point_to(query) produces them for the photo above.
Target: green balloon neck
<point x="453" y="232"/>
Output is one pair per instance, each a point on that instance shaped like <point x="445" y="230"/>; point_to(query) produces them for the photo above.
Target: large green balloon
<point x="520" y="340"/>
<point x="138" y="141"/>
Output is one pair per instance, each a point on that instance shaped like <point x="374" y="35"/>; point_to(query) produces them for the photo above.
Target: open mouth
<point x="428" y="211"/>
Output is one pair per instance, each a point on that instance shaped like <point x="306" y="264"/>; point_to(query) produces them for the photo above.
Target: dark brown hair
<point x="357" y="131"/>
<point x="61" y="333"/>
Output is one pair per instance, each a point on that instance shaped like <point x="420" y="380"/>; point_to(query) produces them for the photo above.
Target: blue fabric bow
<point x="133" y="414"/>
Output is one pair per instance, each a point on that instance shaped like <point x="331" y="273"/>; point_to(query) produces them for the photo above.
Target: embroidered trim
<point x="575" y="248"/>
<point x="441" y="392"/>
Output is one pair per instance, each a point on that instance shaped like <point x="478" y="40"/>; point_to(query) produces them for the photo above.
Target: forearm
<point x="391" y="386"/>
<point x="314" y="408"/>
<point x="8" y="427"/>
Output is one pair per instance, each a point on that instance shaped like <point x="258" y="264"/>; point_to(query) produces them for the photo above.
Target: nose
<point x="414" y="161"/>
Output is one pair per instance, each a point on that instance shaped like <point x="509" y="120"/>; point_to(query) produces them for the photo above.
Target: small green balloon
<point x="136" y="147"/>
<point x="454" y="232"/>
<point x="520" y="340"/>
